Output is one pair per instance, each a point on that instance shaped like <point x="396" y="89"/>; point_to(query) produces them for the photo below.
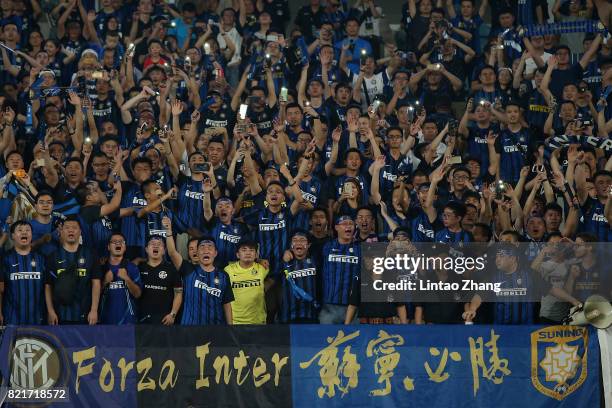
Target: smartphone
<point x="283" y="94"/>
<point x="376" y="105"/>
<point x="348" y="188"/>
<point x="116" y="177"/>
<point x="253" y="99"/>
<point x="88" y="140"/>
<point x="243" y="111"/>
<point x="537" y="168"/>
<point x="272" y="38"/>
<point x="201" y="168"/>
<point x="131" y="49"/>
<point x="364" y="57"/>
<point x="410" y="113"/>
<point x="40" y="162"/>
<point x="97" y="74"/>
<point x="455" y="160"/>
<point x="206" y="49"/>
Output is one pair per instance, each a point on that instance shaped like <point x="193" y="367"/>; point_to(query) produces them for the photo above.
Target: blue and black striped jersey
<point x="300" y="303"/>
<point x="311" y="192"/>
<point x="508" y="309"/>
<point x="340" y="263"/>
<point x="271" y="232"/>
<point x="512" y="148"/>
<point x="190" y="213"/>
<point x="118" y="306"/>
<point x="131" y="228"/>
<point x="226" y="239"/>
<point x="97" y="229"/>
<point x="24" y="278"/>
<point x="204" y="294"/>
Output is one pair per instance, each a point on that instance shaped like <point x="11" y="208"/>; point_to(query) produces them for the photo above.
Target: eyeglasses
<point x="117" y="242"/>
<point x="460" y="178"/>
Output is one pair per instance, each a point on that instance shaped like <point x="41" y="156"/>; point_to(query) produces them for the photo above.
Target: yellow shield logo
<point x="559" y="360"/>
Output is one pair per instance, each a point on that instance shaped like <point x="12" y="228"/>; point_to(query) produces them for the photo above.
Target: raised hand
<point x="491" y="137"/>
<point x="177" y="107"/>
<point x="336" y="134"/>
<point x="74" y="99"/>
<point x="379" y="163"/>
<point x="9" y="116"/>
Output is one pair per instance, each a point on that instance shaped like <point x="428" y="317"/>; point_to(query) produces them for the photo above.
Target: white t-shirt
<point x="375" y="85"/>
<point x="237" y="39"/>
<point x="370" y="25"/>
<point x="530" y="65"/>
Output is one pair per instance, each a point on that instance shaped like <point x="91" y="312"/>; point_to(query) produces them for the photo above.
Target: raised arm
<point x="175" y="256"/>
<point x="114" y="203"/>
<point x="590" y="53"/>
<point x="455" y="82"/>
<point x="240" y="89"/>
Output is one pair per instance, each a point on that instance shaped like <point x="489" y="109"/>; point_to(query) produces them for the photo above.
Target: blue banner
<point x="441" y="366"/>
<point x="302" y="366"/>
<point x="91" y="363"/>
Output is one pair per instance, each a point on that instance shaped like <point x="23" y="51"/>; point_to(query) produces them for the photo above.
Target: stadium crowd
<point x="223" y="164"/>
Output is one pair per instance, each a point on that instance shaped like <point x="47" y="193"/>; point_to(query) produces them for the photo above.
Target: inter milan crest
<point x="217" y="281"/>
<point x="559" y="360"/>
<point x="33" y="264"/>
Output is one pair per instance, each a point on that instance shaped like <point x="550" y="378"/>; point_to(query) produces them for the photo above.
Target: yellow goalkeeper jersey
<point x="249" y="305"/>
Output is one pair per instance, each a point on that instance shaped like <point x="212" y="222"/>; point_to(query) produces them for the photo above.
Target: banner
<point x="605" y="342"/>
<point x="302" y="366"/>
<point x="479" y="366"/>
<point x="217" y="366"/>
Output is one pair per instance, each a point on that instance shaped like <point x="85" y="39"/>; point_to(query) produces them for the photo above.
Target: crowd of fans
<point x="193" y="164"/>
